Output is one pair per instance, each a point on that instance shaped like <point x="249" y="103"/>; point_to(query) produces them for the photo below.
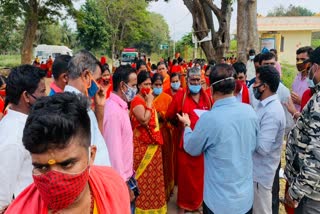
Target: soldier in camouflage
<point x="302" y="170"/>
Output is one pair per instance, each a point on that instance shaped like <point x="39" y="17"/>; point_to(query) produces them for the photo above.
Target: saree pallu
<point x="147" y="163"/>
<point x="161" y="104"/>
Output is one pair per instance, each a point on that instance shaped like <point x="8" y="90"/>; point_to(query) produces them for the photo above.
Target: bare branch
<point x="214" y="8"/>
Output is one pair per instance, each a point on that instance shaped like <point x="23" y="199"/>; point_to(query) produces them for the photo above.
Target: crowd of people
<point x="119" y="140"/>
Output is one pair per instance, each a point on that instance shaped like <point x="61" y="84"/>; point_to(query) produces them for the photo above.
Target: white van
<point x="44" y="51"/>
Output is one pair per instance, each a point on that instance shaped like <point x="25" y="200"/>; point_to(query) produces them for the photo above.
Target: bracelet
<point x="147" y="108"/>
<point x="293" y="116"/>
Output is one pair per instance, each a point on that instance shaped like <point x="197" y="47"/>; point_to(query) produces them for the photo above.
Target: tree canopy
<point x="290" y="11"/>
<point x="32" y="12"/>
<point x="92" y="27"/>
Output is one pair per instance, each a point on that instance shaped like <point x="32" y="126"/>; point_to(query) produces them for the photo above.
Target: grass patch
<point x="9" y="61"/>
<point x="289" y="72"/>
<point x="315" y="43"/>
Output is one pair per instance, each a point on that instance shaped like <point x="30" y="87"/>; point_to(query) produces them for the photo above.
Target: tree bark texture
<point x="247" y="32"/>
<point x="29" y="32"/>
<point x="201" y="11"/>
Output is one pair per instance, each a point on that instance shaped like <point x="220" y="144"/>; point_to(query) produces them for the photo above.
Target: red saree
<point x="147" y="162"/>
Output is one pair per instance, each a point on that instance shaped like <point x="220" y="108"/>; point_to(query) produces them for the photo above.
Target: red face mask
<point x="145" y="91"/>
<point x="59" y="190"/>
<point x="239" y="85"/>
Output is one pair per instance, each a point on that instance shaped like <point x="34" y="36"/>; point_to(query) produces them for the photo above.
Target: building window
<point x="282" y="44"/>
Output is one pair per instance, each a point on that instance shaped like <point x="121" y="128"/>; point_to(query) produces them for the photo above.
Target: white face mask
<point x="252" y="57"/>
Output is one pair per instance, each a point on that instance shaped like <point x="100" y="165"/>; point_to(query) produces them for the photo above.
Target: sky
<point x="179" y="18"/>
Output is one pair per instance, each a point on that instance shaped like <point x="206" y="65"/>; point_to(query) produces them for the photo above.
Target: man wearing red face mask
<point x="65" y="181"/>
<point x="241" y="91"/>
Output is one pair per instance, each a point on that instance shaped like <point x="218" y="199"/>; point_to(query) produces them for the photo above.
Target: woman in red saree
<point x="106" y="80"/>
<point x="147" y="155"/>
<point x="161" y="103"/>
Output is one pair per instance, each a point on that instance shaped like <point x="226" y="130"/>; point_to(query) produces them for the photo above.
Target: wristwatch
<point x="186" y="125"/>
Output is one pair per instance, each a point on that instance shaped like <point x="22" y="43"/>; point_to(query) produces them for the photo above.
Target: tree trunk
<point x="242" y="30"/>
<point x="247" y="33"/>
<point x="201" y="11"/>
<point x="253" y="38"/>
<point x="29" y="33"/>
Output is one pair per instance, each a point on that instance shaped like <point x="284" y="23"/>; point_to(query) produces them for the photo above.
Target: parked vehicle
<point x="44" y="51"/>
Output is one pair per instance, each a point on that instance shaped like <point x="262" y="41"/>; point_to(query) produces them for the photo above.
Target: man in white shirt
<point x="83" y="72"/>
<point x="251" y="71"/>
<point x="283" y="95"/>
<point x="25" y="84"/>
<point x="272" y="122"/>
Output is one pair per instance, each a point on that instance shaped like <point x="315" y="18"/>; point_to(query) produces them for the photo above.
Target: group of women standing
<point x="153" y="139"/>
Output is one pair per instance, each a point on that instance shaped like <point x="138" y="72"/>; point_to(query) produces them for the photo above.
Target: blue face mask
<point x="310" y="83"/>
<point x="93" y="89"/>
<point x="175" y="85"/>
<point x="194" y="89"/>
<point x="157" y="91"/>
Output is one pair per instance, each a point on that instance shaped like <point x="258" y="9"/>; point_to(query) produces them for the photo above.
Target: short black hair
<point x="219" y="72"/>
<point x="175" y="74"/>
<point x="174" y="61"/>
<point x="266" y="56"/>
<point x="54" y="120"/>
<point x="122" y="73"/>
<point x="240" y="67"/>
<point x="143" y="76"/>
<point x="156" y="77"/>
<point x="268" y="74"/>
<point x="252" y="51"/>
<point x="105" y="68"/>
<point x="140" y="62"/>
<point x="153" y="67"/>
<point x="274" y="50"/>
<point x="315" y="56"/>
<point x="212" y="62"/>
<point x="22" y="78"/>
<point x="60" y="65"/>
<point x="257" y="58"/>
<point x="305" y="49"/>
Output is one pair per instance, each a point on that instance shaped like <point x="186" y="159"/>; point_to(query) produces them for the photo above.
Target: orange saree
<point x="161" y="104"/>
<point x="147" y="162"/>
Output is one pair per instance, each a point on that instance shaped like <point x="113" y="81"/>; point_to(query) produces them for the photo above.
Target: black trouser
<point x="206" y="210"/>
<point x="275" y="192"/>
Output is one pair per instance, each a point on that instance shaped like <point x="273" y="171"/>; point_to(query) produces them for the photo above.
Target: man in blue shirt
<point x="272" y="123"/>
<point x="227" y="136"/>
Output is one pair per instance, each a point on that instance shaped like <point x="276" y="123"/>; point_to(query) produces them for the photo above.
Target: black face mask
<point x="257" y="94"/>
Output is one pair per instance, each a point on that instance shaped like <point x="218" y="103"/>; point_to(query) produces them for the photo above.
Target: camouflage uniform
<point x="303" y="152"/>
